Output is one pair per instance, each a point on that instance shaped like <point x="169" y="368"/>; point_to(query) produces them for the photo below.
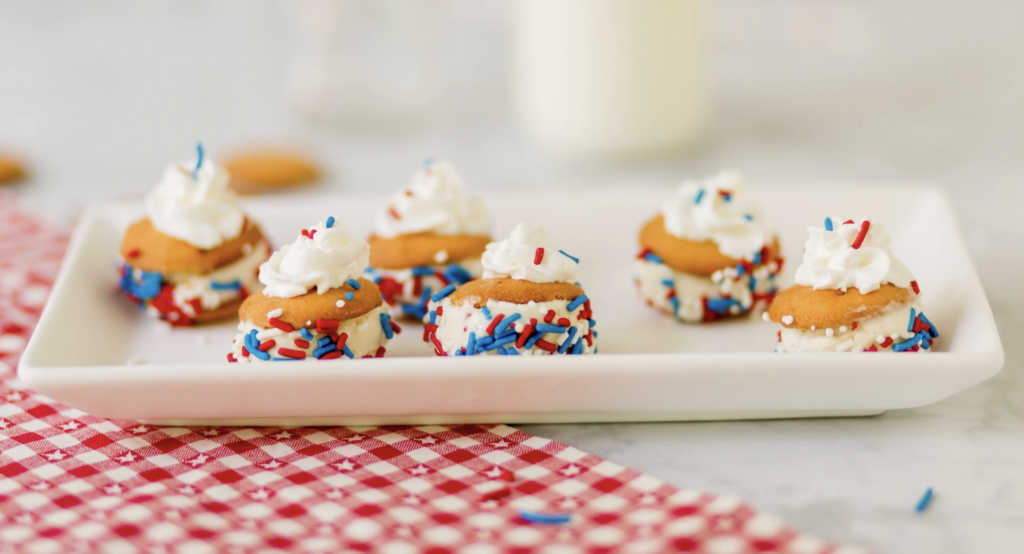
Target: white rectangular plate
<point x="649" y="368"/>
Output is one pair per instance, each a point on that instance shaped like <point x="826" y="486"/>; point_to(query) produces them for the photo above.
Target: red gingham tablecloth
<point x="71" y="482"/>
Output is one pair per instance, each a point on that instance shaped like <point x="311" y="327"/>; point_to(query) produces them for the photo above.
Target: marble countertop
<point x="98" y="98"/>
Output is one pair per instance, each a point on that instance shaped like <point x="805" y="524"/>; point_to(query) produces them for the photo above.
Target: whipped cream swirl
<point x="324" y="256"/>
<point x="520" y="257"/>
<point x="718" y="209"/>
<point x="201" y="211"/>
<point x="435" y="203"/>
<point x="838" y="257"/>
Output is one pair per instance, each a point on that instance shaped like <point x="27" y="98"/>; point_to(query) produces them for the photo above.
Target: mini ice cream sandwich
<point x="526" y="303"/>
<point x="315" y="305"/>
<point x="428" y="236"/>
<point x="851" y="295"/>
<point x="709" y="254"/>
<point x="195" y="255"/>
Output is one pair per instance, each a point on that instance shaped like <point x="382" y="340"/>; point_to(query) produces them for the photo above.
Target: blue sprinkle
<point x="385" y="323"/>
<point x="500" y="342"/>
<point x="828" y="224"/>
<point x="487" y="313"/>
<point x="595" y="336"/>
<point x="925" y="500"/>
<point x="739" y="270"/>
<point x="415" y="311"/>
<point x="675" y="305"/>
<point x="353" y="283"/>
<point x="306" y="334"/>
<point x="748" y="217"/>
<point x="592" y="323"/>
<point x="422" y="271"/>
<point x="546" y="328"/>
<point x="932" y="330"/>
<point x="349" y="296"/>
<point x="323" y="350"/>
<point x="330" y="222"/>
<point x="433" y="317"/>
<point x="287" y="360"/>
<point x="653" y="258"/>
<point x="459" y="352"/>
<point x="347" y="352"/>
<point x="148" y="286"/>
<point x="233" y="285"/>
<point x="924" y="343"/>
<point x="441" y="294"/>
<point x="471" y="345"/>
<point x="545" y="519"/>
<point x="578" y="347"/>
<point x="568" y="341"/>
<point x="510" y="330"/>
<point x="199" y="161"/>
<point x="458" y="274"/>
<point x="700" y="195"/>
<point x="502" y="351"/>
<point x="668" y="283"/>
<point x="909" y="343"/>
<point x="721" y="305"/>
<point x="484" y="341"/>
<point x="562" y="252"/>
<point x="757" y="258"/>
<point x="753" y="283"/>
<point x="576" y="303"/>
<point x="913" y="315"/>
<point x="324" y="341"/>
<point x="536" y="336"/>
<point x="500" y="329"/>
<point x="513" y="352"/>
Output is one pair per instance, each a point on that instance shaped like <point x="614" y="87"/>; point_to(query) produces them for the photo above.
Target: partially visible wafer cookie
<point x="10" y="170"/>
<point x="826" y="308"/>
<point x="697" y="258"/>
<point x="264" y="170"/>
<point x="423" y="249"/>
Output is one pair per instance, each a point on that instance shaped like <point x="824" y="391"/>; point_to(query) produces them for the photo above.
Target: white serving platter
<point x="649" y="368"/>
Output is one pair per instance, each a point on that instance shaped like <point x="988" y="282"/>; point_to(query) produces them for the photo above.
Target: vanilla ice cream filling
<point x="416" y="285"/>
<point x="894" y="324"/>
<point x="462" y="326"/>
<point x="682" y="295"/>
<point x="365" y="336"/>
<point x="221" y="286"/>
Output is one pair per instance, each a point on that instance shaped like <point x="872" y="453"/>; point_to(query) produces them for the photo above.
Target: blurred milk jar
<point x="611" y="78"/>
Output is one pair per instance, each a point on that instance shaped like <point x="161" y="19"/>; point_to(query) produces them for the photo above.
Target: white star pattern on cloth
<point x="489" y="505"/>
<point x="40" y="486"/>
<point x="494" y="472"/>
<point x="569" y="503"/>
<point x="174" y="515"/>
<point x="345" y="465"/>
<point x="428" y="440"/>
<point x="14" y="396"/>
<point x="70" y="426"/>
<point x="140" y="429"/>
<point x="500" y="444"/>
<point x="571" y="470"/>
<point x="23" y="518"/>
<point x="259" y="494"/>
<point x="272" y="464"/>
<point x="355" y="438"/>
<point x="403" y="532"/>
<point x="55" y="456"/>
<point x="113" y="489"/>
<point x="647" y="499"/>
<point x="334" y="494"/>
<point x="198" y="460"/>
<point x="4" y="424"/>
<point x="419" y="470"/>
<point x="187" y="489"/>
<point x="411" y="500"/>
<point x="724" y="523"/>
<point x="284" y="435"/>
<point x="211" y="432"/>
<point x="127" y="458"/>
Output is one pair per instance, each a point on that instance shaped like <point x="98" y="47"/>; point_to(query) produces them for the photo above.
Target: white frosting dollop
<point x="718" y="209"/>
<point x="831" y="261"/>
<point x="201" y="211"/>
<point x="515" y="256"/>
<point x="325" y="261"/>
<point x="435" y="203"/>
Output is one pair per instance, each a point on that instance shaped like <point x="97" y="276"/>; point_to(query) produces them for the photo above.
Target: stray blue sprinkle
<point x="576" y="303"/>
<point x="330" y="222"/>
<point x="441" y="294"/>
<point x="471" y="345"/>
<point x="306" y="334"/>
<point x="544" y="518"/>
<point x="925" y="500"/>
<point x="199" y="160"/>
<point x="653" y="258"/>
<point x="385" y="324"/>
<point x="668" y="283"/>
<point x="347" y="352"/>
<point x="353" y="283"/>
<point x="700" y="195"/>
<point x="422" y="271"/>
<point x="595" y="336"/>
<point x="232" y="285"/>
<point x="487" y="313"/>
<point x="562" y="252"/>
<point x="828" y="224"/>
<point x="748" y="217"/>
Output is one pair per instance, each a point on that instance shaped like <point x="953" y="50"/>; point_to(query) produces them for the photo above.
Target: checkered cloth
<point x="72" y="482"/>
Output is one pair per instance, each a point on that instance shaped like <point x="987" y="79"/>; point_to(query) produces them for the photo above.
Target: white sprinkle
<point x="340" y="303"/>
<point x="764" y="316"/>
<point x="269" y="333"/>
<point x="813" y="327"/>
<point x="441" y="256"/>
<point x="308" y="323"/>
<point x="788" y="319"/>
<point x="829" y="332"/>
<point x="275" y="313"/>
<point x="734" y="309"/>
<point x="880" y="339"/>
<point x="135" y="361"/>
<point x="894" y="336"/>
<point x="845" y="346"/>
<point x="246" y="248"/>
<point x="842" y="328"/>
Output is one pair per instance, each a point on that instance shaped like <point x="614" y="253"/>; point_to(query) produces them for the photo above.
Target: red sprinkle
<point x="331" y="355"/>
<point x="863" y="233"/>
<point x="289" y="353"/>
<point x="342" y="339"/>
<point x="550" y="316"/>
<point x="393" y="213"/>
<point x="417" y="285"/>
<point x="326" y="326"/>
<point x="538" y="256"/>
<point x="872" y="349"/>
<point x="854" y="325"/>
<point x="545" y="345"/>
<point x="440" y="277"/>
<point x="589" y="337"/>
<point x="133" y="253"/>
<point x="779" y="335"/>
<point x="380" y="352"/>
<point x="507" y="475"/>
<point x="394" y="327"/>
<point x="284" y="326"/>
<point x="525" y="335"/>
<point x="494" y="324"/>
<point x="440" y="310"/>
<point x="267" y="345"/>
<point x="231" y="357"/>
<point x="888" y="342"/>
<point x="917" y="289"/>
<point x="564" y="322"/>
<point x="643" y="253"/>
<point x="437" y="344"/>
<point x="301" y="343"/>
<point x="847" y="222"/>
